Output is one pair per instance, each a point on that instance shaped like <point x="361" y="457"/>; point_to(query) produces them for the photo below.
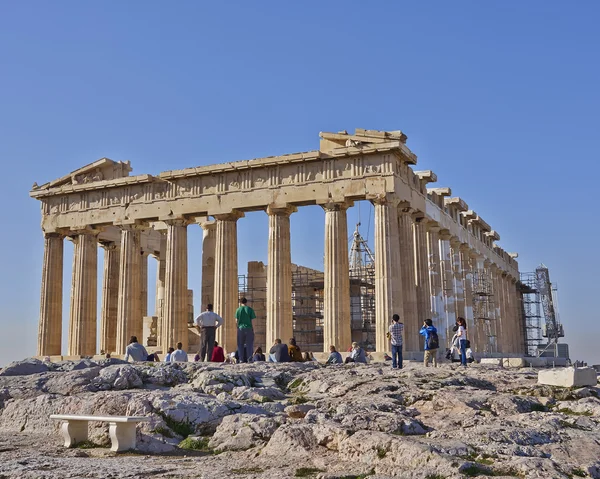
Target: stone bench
<point x="122" y="429"/>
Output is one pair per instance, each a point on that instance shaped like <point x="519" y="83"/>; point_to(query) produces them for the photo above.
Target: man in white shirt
<point x="207" y="323"/>
<point x="135" y="351"/>
<point x="178" y="355"/>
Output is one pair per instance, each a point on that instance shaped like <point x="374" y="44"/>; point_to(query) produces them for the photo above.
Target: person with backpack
<point x="432" y="342"/>
<point x="395" y="336"/>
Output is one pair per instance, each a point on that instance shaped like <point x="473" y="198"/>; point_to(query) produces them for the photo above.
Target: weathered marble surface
<point x="264" y="421"/>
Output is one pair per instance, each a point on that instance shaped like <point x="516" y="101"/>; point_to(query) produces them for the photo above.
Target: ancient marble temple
<point x="432" y="253"/>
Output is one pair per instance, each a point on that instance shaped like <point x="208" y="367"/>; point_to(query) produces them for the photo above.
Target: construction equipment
<point x="552" y="328"/>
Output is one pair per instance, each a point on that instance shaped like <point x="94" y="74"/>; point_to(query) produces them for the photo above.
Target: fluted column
<point x="467" y="275"/>
<point x="503" y="343"/>
<point x="159" y="301"/>
<point x="279" y="276"/>
<point x="490" y="322"/>
<point x="110" y="297"/>
<point x="422" y="273"/>
<point x="129" y="319"/>
<point x="84" y="295"/>
<point x="435" y="282"/>
<point x="226" y="278"/>
<point x="497" y="320"/>
<point x="479" y="306"/>
<point x="409" y="285"/>
<point x="176" y="292"/>
<point x="50" y="325"/>
<point x="449" y="316"/>
<point x="457" y="272"/>
<point x="515" y="315"/>
<point x="209" y="237"/>
<point x="143" y="284"/>
<point x="336" y="293"/>
<point x="388" y="276"/>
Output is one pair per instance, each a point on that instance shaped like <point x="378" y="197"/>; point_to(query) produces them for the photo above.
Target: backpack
<point x="432" y="341"/>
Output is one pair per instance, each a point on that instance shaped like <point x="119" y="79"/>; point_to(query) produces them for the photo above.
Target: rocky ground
<point x="298" y="420"/>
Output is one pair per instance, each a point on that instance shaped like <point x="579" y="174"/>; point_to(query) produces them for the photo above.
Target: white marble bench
<point x="122" y="429"/>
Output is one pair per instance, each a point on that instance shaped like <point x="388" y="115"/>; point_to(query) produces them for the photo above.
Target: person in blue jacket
<point x="431" y="342"/>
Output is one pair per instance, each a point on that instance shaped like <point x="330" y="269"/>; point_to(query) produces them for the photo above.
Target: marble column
<point x="143" y="285"/>
<point x="110" y="297"/>
<point x="449" y="315"/>
<point x="336" y="292"/>
<point x="457" y="272"/>
<point x="410" y="315"/>
<point x="50" y="325"/>
<point x="129" y="319"/>
<point x="479" y="306"/>
<point x="388" y="276"/>
<point x="84" y="295"/>
<point x="435" y="282"/>
<point x="226" y="296"/>
<point x="209" y="237"/>
<point x="279" y="276"/>
<point x="422" y="273"/>
<point x="467" y="275"/>
<point x="515" y="313"/>
<point x="175" y="311"/>
<point x="159" y="301"/>
<point x="503" y="344"/>
<point x="490" y="322"/>
<point x="497" y="320"/>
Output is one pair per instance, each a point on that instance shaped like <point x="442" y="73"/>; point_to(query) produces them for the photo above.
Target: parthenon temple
<point x="434" y="256"/>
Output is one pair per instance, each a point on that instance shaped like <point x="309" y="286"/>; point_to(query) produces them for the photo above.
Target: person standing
<point x="396" y="330"/>
<point x="207" y="323"/>
<point x="179" y="355"/>
<point x="135" y="350"/>
<point x="431" y="342"/>
<point x="245" y="333"/>
<point x="462" y="340"/>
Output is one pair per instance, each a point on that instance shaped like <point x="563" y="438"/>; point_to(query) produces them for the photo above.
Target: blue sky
<point x="500" y="99"/>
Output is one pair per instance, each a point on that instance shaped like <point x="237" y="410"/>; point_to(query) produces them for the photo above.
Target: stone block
<point x="513" y="362"/>
<point x="491" y="361"/>
<point x="568" y="377"/>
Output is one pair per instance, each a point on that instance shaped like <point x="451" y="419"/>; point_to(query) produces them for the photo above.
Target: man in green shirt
<point x="245" y="334"/>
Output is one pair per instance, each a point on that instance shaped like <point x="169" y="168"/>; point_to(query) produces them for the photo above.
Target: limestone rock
<point x="243" y="431"/>
<point x="298" y="411"/>
<point x="568" y="377"/>
<point x="117" y="377"/>
<point x="24" y="368"/>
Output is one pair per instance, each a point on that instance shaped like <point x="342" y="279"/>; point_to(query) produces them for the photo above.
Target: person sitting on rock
<point x="357" y="355"/>
<point x="135" y="350"/>
<point x="179" y="355"/>
<point x="469" y="352"/>
<point x="152" y="357"/>
<point x="258" y="355"/>
<point x="168" y="355"/>
<point x="294" y="351"/>
<point x="279" y="352"/>
<point x="334" y="356"/>
<point x="218" y="355"/>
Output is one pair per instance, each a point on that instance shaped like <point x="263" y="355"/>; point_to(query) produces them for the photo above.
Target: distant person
<point x="357" y="355"/>
<point x="152" y="357"/>
<point x="334" y="356"/>
<point x="462" y="338"/>
<point x="135" y="350"/>
<point x="469" y="352"/>
<point x="294" y="351"/>
<point x="396" y="329"/>
<point x="218" y="355"/>
<point x="258" y="355"/>
<point x="279" y="352"/>
<point x="179" y="355"/>
<point x="245" y="333"/>
<point x="432" y="343"/>
<point x="308" y="356"/>
<point x="168" y="355"/>
<point x="207" y="323"/>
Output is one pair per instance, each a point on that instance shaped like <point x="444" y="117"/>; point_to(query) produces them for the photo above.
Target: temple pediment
<point x="100" y="170"/>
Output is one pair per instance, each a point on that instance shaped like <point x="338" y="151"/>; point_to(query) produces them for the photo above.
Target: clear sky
<point x="500" y="99"/>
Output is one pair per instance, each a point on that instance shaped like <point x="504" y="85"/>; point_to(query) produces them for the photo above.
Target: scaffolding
<point x="531" y="309"/>
<point x="484" y="308"/>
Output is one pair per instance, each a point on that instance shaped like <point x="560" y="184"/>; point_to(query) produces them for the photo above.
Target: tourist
<point x="179" y="355"/>
<point x="279" y="352"/>
<point x="207" y="323"/>
<point x="294" y="351"/>
<point x="245" y="334"/>
<point x="152" y="357"/>
<point x="135" y="350"/>
<point x="431" y="342"/>
<point x="258" y="355"/>
<point x="396" y="329"/>
<point x="308" y="356"/>
<point x="357" y="355"/>
<point x="168" y="355"/>
<point x="218" y="355"/>
<point x="469" y="352"/>
<point x="462" y="338"/>
<point x="334" y="356"/>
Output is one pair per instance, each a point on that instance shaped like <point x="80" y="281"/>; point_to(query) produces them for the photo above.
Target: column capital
<point x="181" y="221"/>
<point x="384" y="199"/>
<point x="108" y="245"/>
<point x="281" y="210"/>
<point x="419" y="217"/>
<point x="336" y="206"/>
<point x="233" y="216"/>
<point x="432" y="226"/>
<point x="455" y="243"/>
<point x="445" y="234"/>
<point x="85" y="231"/>
<point x="208" y="225"/>
<point x="465" y="248"/>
